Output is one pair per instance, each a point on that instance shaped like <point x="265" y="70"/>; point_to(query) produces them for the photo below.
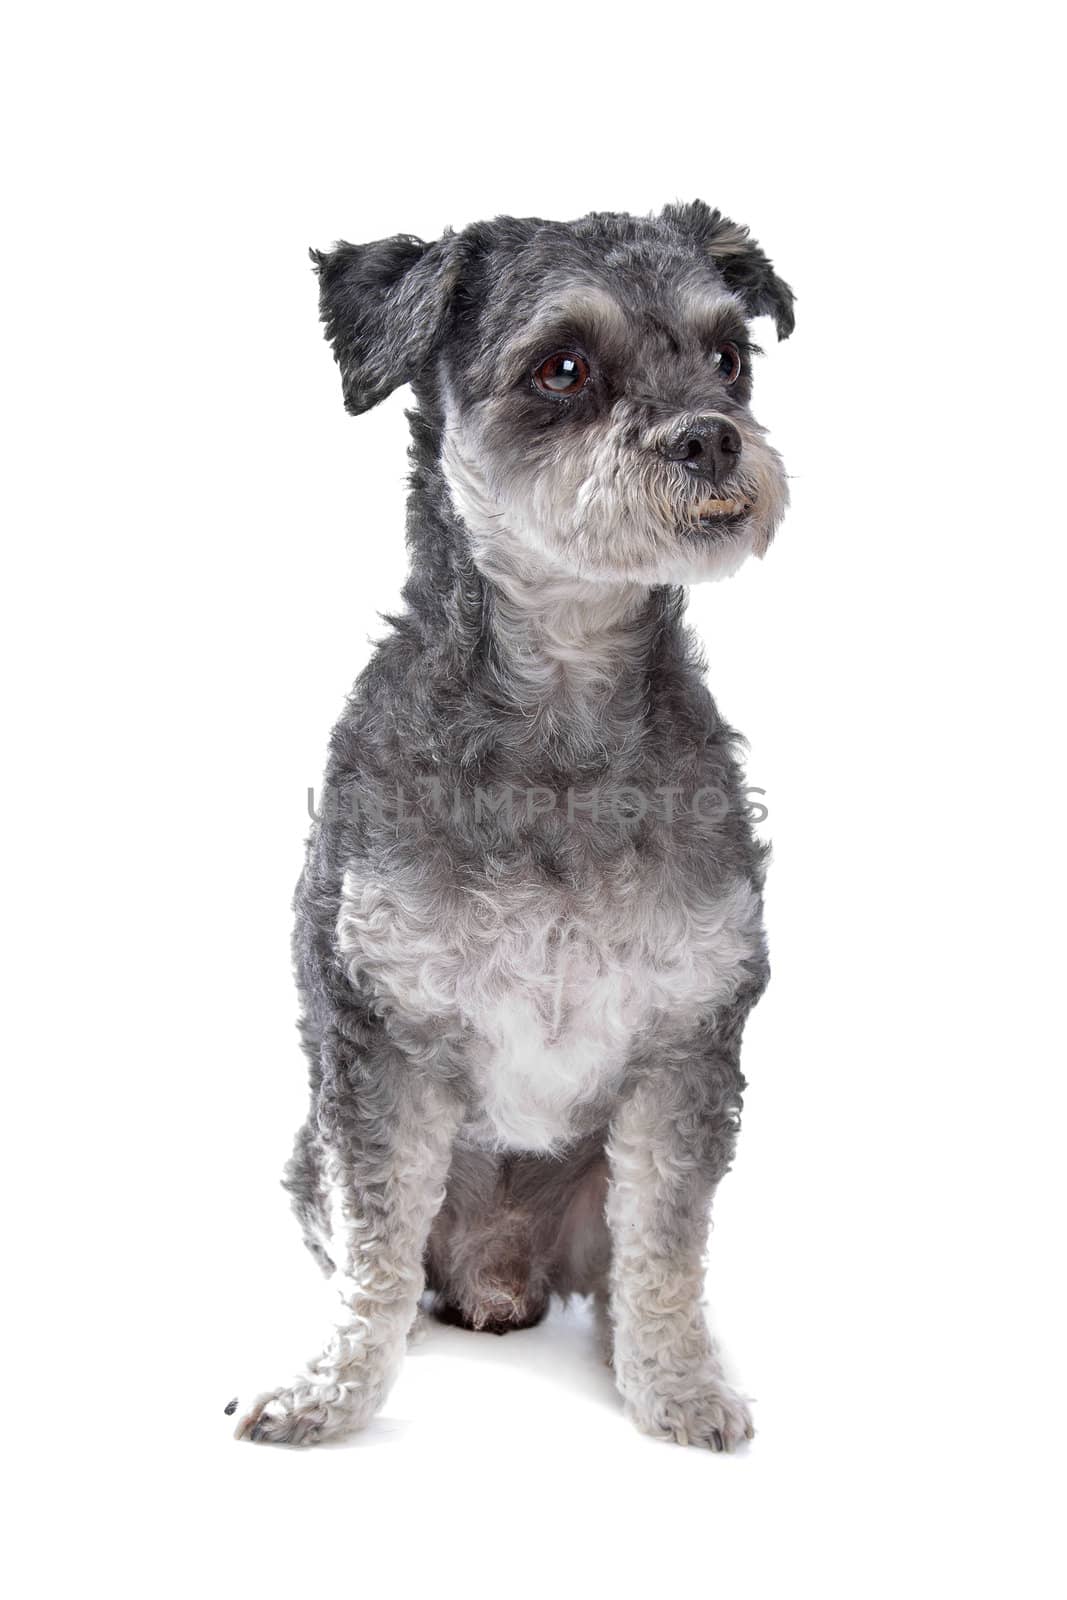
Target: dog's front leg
<point x="386" y="1143"/>
<point x="669" y="1144"/>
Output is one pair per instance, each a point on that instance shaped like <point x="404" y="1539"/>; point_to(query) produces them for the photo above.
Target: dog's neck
<point x="563" y="639"/>
<point x="568" y="662"/>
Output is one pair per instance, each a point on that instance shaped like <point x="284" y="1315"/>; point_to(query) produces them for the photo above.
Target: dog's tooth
<point x="718" y="508"/>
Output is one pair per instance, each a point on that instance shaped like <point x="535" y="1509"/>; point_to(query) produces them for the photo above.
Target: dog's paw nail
<point x="230" y="1407"/>
<point x="716" y="1439"/>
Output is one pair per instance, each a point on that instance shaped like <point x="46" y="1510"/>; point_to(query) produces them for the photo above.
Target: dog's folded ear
<point x="384" y="305"/>
<point x="740" y="262"/>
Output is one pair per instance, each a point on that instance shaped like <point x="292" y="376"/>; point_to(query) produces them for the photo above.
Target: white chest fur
<point x="547" y="990"/>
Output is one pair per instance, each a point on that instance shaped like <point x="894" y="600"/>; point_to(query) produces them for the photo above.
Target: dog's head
<point x="594" y="380"/>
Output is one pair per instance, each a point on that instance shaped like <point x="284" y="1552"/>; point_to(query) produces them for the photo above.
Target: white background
<point x="199" y="542"/>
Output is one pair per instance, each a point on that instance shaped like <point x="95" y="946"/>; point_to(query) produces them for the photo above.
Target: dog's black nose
<point x="708" y="447"/>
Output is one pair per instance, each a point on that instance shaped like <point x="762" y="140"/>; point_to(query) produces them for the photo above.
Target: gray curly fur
<point x="523" y="1023"/>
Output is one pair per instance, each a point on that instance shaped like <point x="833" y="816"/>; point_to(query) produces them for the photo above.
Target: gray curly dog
<point x="529" y="926"/>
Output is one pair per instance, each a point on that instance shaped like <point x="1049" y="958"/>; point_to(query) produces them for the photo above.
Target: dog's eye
<point x="563" y="373"/>
<point x="729" y="357"/>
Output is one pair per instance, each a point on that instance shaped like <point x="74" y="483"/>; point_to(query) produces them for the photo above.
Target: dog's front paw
<point x="702" y="1411"/>
<point x="304" y="1414"/>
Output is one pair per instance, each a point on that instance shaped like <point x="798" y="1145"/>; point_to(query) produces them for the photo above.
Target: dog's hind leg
<point x="514" y="1230"/>
<point x="602" y="1324"/>
<point x="482" y="1261"/>
<point x="309" y="1195"/>
<point x="386" y="1132"/>
<point x="304" y="1175"/>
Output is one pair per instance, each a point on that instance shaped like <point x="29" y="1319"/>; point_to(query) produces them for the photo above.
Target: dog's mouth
<point x="708" y="515"/>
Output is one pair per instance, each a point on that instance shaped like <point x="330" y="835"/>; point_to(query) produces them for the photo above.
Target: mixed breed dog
<point x="526" y="944"/>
